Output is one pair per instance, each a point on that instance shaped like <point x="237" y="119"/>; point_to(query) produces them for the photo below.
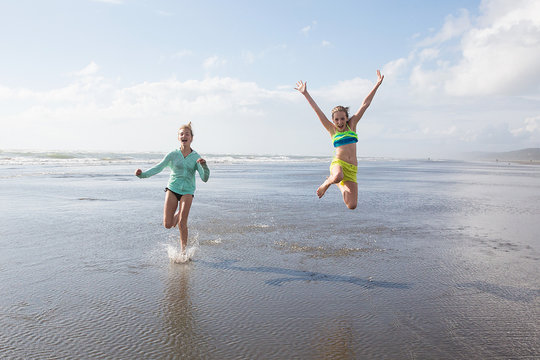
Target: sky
<point x="123" y="75"/>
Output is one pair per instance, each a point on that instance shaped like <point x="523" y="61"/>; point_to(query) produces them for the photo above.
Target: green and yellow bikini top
<point x="344" y="137"/>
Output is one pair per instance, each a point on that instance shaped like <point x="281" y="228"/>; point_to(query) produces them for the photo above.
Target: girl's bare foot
<point x="322" y="189"/>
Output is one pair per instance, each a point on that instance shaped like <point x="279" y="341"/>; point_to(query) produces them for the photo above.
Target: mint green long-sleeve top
<point x="182" y="179"/>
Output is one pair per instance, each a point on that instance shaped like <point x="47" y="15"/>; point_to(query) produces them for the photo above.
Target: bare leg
<point x="183" y="213"/>
<point x="349" y="190"/>
<point x="336" y="175"/>
<point x="169" y="208"/>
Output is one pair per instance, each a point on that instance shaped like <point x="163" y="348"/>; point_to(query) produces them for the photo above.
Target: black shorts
<point x="178" y="196"/>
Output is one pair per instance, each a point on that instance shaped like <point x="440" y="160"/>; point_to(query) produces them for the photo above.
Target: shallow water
<point x="439" y="260"/>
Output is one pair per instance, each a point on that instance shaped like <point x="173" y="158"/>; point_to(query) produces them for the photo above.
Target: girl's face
<point x="340" y="120"/>
<point x="185" y="137"/>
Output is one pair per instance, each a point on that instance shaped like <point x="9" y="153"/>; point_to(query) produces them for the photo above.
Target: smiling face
<point x="185" y="137"/>
<point x="340" y="120"/>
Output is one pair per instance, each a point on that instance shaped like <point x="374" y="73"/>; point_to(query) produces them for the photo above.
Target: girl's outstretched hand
<point x="301" y="86"/>
<point x="201" y="161"/>
<point x="138" y="172"/>
<point x="380" y="77"/>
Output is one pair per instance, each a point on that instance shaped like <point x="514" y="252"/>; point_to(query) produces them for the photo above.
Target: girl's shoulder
<point x="195" y="154"/>
<point x="333" y="130"/>
<point x="172" y="154"/>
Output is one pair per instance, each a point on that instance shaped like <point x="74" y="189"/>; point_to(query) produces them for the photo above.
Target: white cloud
<point x="426" y="81"/>
<point x="326" y="43"/>
<point x="394" y="68"/>
<point x="530" y="128"/>
<point x="354" y="90"/>
<point x="90" y="69"/>
<point x="98" y="113"/>
<point x="496" y="53"/>
<point x="91" y="114"/>
<point x="453" y="27"/>
<point x="501" y="58"/>
<point x="306" y="29"/>
<point x="428" y="54"/>
<point x="213" y="61"/>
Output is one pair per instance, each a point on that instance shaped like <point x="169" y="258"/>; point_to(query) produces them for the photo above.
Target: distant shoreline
<point x="522" y="162"/>
<point x="529" y="156"/>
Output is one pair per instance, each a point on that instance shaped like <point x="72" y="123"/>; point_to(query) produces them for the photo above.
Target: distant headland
<point x="524" y="156"/>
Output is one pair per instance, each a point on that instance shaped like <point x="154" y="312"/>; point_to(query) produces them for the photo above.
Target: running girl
<point x="343" y="168"/>
<point x="179" y="191"/>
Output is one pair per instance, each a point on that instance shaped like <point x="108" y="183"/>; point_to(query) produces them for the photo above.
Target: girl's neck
<point x="186" y="150"/>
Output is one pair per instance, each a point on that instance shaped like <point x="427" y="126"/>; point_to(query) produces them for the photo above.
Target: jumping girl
<point x="343" y="168"/>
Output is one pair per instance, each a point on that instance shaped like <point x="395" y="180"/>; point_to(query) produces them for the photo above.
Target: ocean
<point x="439" y="260"/>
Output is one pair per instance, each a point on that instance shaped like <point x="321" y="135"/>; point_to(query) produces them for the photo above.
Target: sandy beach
<point x="439" y="260"/>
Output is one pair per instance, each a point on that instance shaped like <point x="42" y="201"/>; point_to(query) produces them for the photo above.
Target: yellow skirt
<point x="349" y="170"/>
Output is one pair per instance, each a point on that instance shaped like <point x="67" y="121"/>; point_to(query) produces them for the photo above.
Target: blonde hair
<point x="186" y="126"/>
<point x="341" y="108"/>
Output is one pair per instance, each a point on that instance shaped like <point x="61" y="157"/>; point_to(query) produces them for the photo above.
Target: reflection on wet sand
<point x="336" y="340"/>
<point x="179" y="315"/>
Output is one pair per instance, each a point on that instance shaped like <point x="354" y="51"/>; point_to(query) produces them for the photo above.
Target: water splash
<point x="179" y="257"/>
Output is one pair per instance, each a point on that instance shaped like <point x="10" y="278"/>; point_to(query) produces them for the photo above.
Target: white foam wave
<point x="77" y="158"/>
<point x="233" y="159"/>
<point x="21" y="157"/>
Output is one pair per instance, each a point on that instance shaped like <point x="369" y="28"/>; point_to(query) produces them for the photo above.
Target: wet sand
<point x="440" y="260"/>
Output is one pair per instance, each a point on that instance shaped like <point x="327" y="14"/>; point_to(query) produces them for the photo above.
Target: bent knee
<point x="351" y="204"/>
<point x="168" y="223"/>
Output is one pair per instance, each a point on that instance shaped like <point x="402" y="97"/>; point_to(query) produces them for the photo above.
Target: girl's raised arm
<point x="367" y="101"/>
<point x="302" y="87"/>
